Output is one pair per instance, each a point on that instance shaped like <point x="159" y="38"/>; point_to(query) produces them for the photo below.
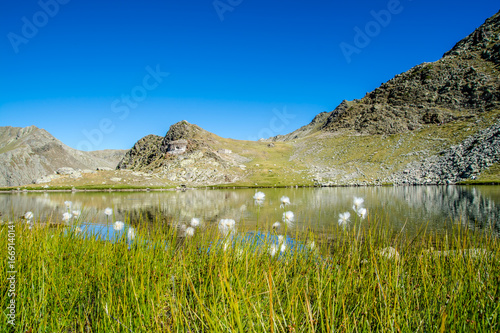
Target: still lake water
<point x="317" y="209"/>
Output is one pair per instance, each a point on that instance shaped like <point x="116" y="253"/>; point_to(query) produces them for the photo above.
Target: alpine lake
<point x="412" y="209"/>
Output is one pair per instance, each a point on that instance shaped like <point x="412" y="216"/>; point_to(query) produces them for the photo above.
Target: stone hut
<point x="177" y="147"/>
<point x="224" y="151"/>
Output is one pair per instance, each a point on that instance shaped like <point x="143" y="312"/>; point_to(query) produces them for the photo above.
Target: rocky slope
<point x="31" y="153"/>
<point x="455" y="164"/>
<point x="464" y="83"/>
<point x="145" y="152"/>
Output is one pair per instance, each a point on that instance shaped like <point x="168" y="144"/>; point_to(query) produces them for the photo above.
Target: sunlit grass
<point x="354" y="279"/>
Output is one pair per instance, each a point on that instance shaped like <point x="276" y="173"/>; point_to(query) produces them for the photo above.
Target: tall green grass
<point x="163" y="283"/>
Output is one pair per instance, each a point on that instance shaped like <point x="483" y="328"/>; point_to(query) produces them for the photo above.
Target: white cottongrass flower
<point x="357" y="203"/>
<point x="311" y="245"/>
<point x="362" y="212"/>
<point x="227" y="226"/>
<point x="288" y="218"/>
<point x="195" y="222"/>
<point x="118" y="225"/>
<point x="28" y="216"/>
<point x="68" y="204"/>
<point x="108" y="211"/>
<point x="67" y="217"/>
<point x="344" y="218"/>
<point x="283" y="247"/>
<point x="131" y="234"/>
<point x="284" y="201"/>
<point x="273" y="249"/>
<point x="282" y="243"/>
<point x="259" y="198"/>
<point x="276" y="225"/>
<point x="76" y="213"/>
<point x="189" y="232"/>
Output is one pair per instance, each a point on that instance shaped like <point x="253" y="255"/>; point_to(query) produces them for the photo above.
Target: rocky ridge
<point x="319" y="122"/>
<point x="460" y="87"/>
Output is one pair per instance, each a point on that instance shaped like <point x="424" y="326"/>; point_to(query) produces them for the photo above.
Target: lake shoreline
<point x="224" y="187"/>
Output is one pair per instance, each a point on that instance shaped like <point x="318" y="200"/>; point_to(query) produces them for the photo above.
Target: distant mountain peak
<point x="29" y="153"/>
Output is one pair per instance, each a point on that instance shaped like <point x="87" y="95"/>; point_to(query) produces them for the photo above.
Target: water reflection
<point x="314" y="208"/>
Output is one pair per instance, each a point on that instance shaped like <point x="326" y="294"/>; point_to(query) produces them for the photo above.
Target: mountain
<point x="437" y="123"/>
<point x="413" y="128"/>
<point x="463" y="84"/>
<point x="30" y="153"/>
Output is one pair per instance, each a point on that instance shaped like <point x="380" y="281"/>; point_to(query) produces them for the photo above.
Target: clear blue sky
<point x="245" y="69"/>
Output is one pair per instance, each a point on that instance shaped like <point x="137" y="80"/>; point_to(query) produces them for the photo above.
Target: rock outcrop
<point x="145" y="152"/>
<point x="187" y="154"/>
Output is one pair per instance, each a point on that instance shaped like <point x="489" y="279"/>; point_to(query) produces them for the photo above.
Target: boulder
<point x="65" y="171"/>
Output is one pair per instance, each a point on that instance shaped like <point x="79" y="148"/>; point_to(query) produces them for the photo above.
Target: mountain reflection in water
<point x="476" y="207"/>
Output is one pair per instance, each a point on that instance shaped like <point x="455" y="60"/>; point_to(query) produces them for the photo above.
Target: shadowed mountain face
<point x="463" y="84"/>
<point x="29" y="153"/>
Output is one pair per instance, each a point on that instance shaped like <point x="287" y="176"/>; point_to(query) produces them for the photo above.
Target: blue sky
<point x="103" y="74"/>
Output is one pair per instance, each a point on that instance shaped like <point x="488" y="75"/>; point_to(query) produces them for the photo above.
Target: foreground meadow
<point x="207" y="277"/>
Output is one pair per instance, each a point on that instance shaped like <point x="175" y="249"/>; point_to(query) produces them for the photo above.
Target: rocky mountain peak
<point x="181" y="130"/>
<point x="464" y="83"/>
<point x="484" y="41"/>
<point x="25" y="131"/>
